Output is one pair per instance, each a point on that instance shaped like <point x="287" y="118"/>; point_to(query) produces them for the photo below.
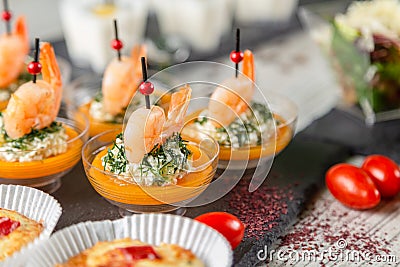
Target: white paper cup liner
<point x="35" y="205"/>
<point x="207" y="244"/>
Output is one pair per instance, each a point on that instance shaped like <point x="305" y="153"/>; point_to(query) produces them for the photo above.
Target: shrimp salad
<point x="248" y="129"/>
<point x="37" y="145"/>
<point x="164" y="165"/>
<point x="28" y="131"/>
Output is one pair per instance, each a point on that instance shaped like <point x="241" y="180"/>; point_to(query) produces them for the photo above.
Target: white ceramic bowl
<point x="210" y="246"/>
<point x="35" y="205"/>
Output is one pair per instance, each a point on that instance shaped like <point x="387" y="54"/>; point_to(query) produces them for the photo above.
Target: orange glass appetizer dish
<point x="106" y="107"/>
<point x="14" y="49"/>
<point x="246" y="127"/>
<point x="36" y="146"/>
<point x="152" y="166"/>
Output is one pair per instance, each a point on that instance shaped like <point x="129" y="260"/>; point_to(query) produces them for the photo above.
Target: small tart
<point x="127" y="252"/>
<point x="14" y="239"/>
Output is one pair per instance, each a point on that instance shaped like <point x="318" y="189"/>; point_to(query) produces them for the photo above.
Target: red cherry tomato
<point x="352" y="186"/>
<point x="226" y="224"/>
<point x="385" y="173"/>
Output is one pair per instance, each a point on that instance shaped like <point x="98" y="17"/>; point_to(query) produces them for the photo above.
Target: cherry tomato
<point x="226" y="224"/>
<point x="385" y="173"/>
<point x="352" y="186"/>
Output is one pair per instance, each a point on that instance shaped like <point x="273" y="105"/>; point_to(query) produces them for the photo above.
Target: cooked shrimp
<point x="13" y="50"/>
<point x="143" y="132"/>
<point x="232" y="98"/>
<point x="177" y="110"/>
<point x="121" y="80"/>
<point x="149" y="127"/>
<point x="51" y="73"/>
<point x="35" y="105"/>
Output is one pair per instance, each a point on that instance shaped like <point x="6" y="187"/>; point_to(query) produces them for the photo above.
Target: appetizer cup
<point x="284" y="113"/>
<point x="124" y="192"/>
<point x="23" y="169"/>
<point x="276" y="138"/>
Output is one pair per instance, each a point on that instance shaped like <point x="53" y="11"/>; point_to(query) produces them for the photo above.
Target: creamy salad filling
<point x="98" y="113"/>
<point x="164" y="165"/>
<point x="249" y="129"/>
<point x="37" y="145"/>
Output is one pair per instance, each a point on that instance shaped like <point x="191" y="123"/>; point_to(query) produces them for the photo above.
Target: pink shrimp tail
<point x="51" y="72"/>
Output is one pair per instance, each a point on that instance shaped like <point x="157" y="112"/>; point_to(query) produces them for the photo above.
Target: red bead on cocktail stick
<point x="237" y="55"/>
<point x="35" y="67"/>
<point x="117" y="44"/>
<point x="146" y="88"/>
<point x="6" y="16"/>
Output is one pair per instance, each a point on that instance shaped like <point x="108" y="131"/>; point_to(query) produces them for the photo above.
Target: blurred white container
<point x="255" y="11"/>
<point x="200" y="23"/>
<point x="88" y="29"/>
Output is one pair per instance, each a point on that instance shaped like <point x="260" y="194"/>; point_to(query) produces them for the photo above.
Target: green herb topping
<point x="164" y="164"/>
<point x="24" y="142"/>
<point x="115" y="160"/>
<point x="248" y="129"/>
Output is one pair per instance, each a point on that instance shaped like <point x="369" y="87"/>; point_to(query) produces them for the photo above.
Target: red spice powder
<point x="259" y="211"/>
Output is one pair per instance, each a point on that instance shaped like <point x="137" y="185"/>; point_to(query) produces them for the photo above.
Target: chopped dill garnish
<point x="23" y="142"/>
<point x="171" y="158"/>
<point x="116" y="161"/>
<point x="164" y="162"/>
<point x="246" y="130"/>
